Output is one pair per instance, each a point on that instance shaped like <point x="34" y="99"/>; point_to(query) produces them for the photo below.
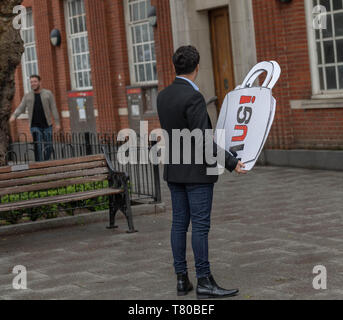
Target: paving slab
<point x="269" y="230"/>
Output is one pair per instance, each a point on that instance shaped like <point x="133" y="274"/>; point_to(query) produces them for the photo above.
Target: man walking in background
<point x="41" y="106"/>
<point x="181" y="106"/>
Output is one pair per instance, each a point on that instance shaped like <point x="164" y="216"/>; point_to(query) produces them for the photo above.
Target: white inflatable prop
<point x="247" y="115"/>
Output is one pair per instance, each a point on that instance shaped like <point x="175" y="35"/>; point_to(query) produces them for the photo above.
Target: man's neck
<point x="187" y="76"/>
<point x="37" y="91"/>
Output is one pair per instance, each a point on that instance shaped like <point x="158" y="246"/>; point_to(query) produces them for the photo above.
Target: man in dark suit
<point x="181" y="106"/>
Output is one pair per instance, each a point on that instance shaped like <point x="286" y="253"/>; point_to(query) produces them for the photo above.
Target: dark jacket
<point x="180" y="106"/>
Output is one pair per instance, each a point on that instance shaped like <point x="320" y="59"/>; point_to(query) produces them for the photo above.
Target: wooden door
<point x="221" y="53"/>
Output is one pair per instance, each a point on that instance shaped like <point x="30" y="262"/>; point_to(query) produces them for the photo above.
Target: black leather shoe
<point x="183" y="285"/>
<point x="207" y="288"/>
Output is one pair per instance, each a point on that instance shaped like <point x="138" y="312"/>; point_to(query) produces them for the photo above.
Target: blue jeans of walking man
<point x="191" y="203"/>
<point x="42" y="138"/>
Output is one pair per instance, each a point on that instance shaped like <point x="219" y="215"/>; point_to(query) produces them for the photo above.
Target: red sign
<point x="134" y="91"/>
<point x="80" y="94"/>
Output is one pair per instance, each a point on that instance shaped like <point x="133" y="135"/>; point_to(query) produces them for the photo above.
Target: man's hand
<point x="12" y="118"/>
<point x="58" y="127"/>
<point x="240" y="167"/>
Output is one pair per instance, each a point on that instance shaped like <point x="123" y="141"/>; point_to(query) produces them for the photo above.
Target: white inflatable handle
<point x="261" y="67"/>
<point x="273" y="74"/>
<point x="276" y="75"/>
<point x="253" y="79"/>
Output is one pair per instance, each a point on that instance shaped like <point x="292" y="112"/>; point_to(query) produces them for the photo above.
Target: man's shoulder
<point x="180" y="90"/>
<point x="198" y="94"/>
<point x="46" y="91"/>
<point x="28" y="94"/>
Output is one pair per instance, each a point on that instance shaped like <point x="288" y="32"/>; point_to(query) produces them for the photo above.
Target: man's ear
<point x="196" y="71"/>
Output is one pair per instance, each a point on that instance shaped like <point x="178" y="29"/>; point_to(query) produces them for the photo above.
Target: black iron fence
<point x="144" y="177"/>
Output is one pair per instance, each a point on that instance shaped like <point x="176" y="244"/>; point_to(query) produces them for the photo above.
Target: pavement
<point x="269" y="230"/>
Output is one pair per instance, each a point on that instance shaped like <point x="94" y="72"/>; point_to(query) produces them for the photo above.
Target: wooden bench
<point x="50" y="175"/>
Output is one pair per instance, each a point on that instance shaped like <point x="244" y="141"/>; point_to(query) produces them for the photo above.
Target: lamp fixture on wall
<point x="55" y="37"/>
<point x="152" y="16"/>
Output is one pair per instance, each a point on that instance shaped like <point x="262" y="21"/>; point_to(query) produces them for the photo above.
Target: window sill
<point x="23" y="116"/>
<point x="144" y="84"/>
<point x="328" y="95"/>
<point x="150" y="114"/>
<point x="327" y="103"/>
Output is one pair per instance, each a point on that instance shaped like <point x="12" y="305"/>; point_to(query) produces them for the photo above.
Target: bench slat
<point x="52" y="185"/>
<point x="24" y="204"/>
<point x="56" y="163"/>
<point x="65" y="168"/>
<point x="53" y="177"/>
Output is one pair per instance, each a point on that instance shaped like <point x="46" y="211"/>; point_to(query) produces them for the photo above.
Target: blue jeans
<point x="191" y="202"/>
<point x="42" y="139"/>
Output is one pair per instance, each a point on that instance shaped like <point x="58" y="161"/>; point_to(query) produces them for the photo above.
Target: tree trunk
<point x="11" y="50"/>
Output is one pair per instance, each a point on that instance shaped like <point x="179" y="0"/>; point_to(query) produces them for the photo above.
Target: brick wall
<point x="20" y="127"/>
<point x="281" y="35"/>
<point x="164" y="43"/>
<point x="99" y="46"/>
<point x="53" y="62"/>
<point x="108" y="55"/>
<point x="119" y="61"/>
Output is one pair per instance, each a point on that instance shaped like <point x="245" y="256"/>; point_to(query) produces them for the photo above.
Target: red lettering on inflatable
<point x="243" y="136"/>
<point x="245" y="99"/>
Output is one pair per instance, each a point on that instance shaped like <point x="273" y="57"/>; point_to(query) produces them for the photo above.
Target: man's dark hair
<point x="35" y="76"/>
<point x="186" y="59"/>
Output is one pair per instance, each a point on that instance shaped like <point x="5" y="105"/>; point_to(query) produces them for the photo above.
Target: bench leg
<point x="128" y="212"/>
<point x="113" y="210"/>
<point x="130" y="220"/>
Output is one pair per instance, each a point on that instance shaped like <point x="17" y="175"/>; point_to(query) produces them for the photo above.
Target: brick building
<point x="106" y="46"/>
<point x="111" y="49"/>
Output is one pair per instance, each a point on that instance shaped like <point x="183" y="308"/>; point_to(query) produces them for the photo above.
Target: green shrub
<point x="53" y="211"/>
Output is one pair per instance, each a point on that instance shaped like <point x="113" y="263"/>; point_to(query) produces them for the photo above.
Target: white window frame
<point x="317" y="92"/>
<point x="29" y="46"/>
<point x="70" y="37"/>
<point x="130" y="45"/>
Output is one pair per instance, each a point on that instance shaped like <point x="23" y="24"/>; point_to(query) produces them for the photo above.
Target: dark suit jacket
<point x="180" y="106"/>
